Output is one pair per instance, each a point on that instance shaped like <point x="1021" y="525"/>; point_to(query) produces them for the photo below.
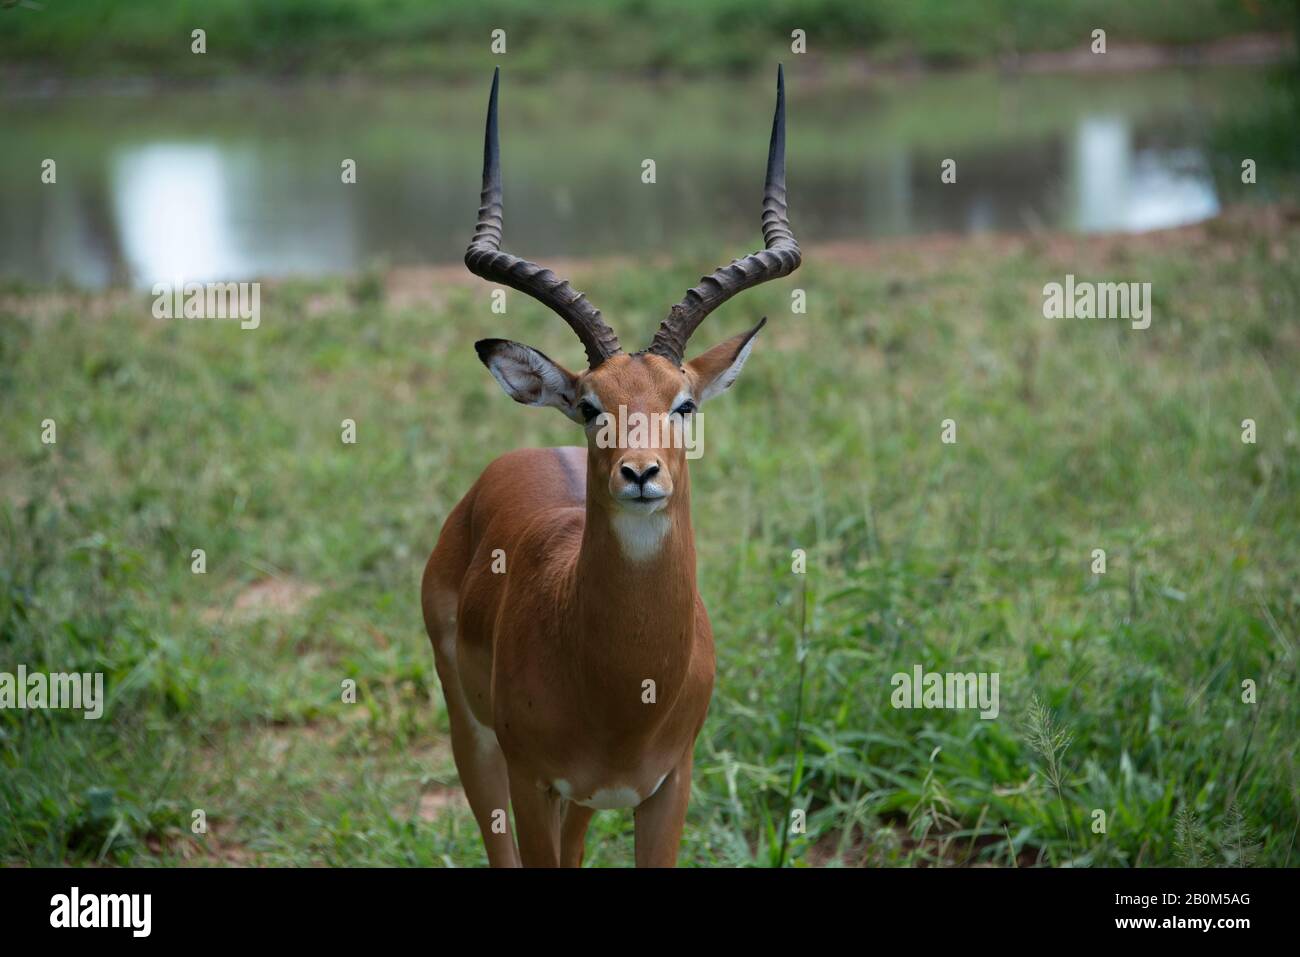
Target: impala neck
<point x="635" y="589"/>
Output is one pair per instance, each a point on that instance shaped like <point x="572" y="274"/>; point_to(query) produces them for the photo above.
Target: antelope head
<point x="633" y="469"/>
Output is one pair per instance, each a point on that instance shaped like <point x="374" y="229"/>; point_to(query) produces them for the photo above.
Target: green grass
<point x="451" y="37"/>
<point x="1072" y="435"/>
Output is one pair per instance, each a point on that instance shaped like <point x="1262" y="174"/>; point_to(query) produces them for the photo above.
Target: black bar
<point x="333" y="907"/>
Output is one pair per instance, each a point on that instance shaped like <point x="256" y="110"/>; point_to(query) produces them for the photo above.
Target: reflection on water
<point x="1120" y="187"/>
<point x="201" y="211"/>
<point x="204" y="186"/>
<point x="172" y="209"/>
<point x="1102" y="166"/>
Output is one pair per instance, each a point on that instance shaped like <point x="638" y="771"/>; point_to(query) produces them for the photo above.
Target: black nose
<point x="629" y="473"/>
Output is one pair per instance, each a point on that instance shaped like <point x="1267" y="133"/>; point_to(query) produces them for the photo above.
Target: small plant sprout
<point x="1190" y="841"/>
<point x="1050" y="743"/>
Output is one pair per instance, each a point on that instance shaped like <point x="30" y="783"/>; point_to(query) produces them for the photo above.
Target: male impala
<point x="545" y="665"/>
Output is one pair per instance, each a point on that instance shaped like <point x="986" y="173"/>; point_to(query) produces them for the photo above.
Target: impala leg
<point x="479" y="761"/>
<point x="573" y="834"/>
<point x="537" y="823"/>
<point x="661" y="817"/>
<point x="482" y="769"/>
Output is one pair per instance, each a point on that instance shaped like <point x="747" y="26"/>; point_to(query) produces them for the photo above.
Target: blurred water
<point x="245" y="182"/>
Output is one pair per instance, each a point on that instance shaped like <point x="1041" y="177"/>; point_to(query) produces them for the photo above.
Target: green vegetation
<point x="1120" y="692"/>
<point x="451" y="37"/>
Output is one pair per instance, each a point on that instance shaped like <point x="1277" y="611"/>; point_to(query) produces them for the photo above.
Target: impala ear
<point x="715" y="370"/>
<point x="530" y="377"/>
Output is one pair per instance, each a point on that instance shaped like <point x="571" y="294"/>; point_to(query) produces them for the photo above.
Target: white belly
<point x="605" y="799"/>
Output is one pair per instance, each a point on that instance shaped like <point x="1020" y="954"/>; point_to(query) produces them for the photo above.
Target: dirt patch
<point x="436" y="802"/>
<point x="217" y="846"/>
<point x="1256" y="49"/>
<point x="264" y="598"/>
<point x="44" y="306"/>
<point x="429" y="285"/>
<point x="894" y="842"/>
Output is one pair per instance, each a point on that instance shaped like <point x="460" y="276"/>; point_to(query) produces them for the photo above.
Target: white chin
<point x="643" y="507"/>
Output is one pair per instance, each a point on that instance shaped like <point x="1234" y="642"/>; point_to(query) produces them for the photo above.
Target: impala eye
<point x="686" y="408"/>
<point x="587" y="410"/>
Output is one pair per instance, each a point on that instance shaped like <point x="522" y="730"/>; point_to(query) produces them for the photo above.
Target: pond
<point x="246" y="181"/>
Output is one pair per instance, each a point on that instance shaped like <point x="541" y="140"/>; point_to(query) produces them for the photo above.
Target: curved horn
<point x="779" y="257"/>
<point x="485" y="258"/>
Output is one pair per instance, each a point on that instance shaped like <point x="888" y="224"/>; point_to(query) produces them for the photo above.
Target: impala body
<point x="574" y="652"/>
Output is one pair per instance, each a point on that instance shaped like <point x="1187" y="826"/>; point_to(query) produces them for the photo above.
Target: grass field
<point x="224" y="688"/>
<point x="452" y="37"/>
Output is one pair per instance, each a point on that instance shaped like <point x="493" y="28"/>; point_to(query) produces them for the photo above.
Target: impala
<point x="578" y="675"/>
